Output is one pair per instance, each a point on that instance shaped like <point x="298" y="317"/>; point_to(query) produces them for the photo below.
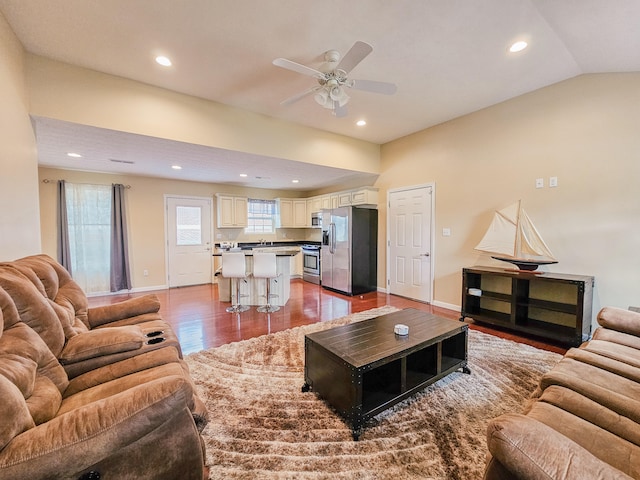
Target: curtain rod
<point x="46" y="180"/>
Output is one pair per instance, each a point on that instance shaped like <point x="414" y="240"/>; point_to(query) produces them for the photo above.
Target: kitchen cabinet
<point x="344" y="199"/>
<point x="316" y="204"/>
<point x="358" y="198"/>
<point x="231" y="211"/>
<point x="292" y="213"/>
<point x="365" y="196"/>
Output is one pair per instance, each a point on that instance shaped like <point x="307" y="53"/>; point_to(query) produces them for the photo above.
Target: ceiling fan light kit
<point x="332" y="77"/>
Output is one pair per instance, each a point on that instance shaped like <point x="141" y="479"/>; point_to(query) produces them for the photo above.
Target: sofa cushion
<point x="613" y="391"/>
<point x="603" y="359"/>
<point x="532" y="450"/>
<point x="57" y="285"/>
<point x="621" y="320"/>
<point x="612" y="450"/>
<point x="137" y="363"/>
<point x="26" y="361"/>
<point x="18" y="370"/>
<point x="614" y="336"/>
<point x="117" y="386"/>
<point x="15" y="417"/>
<point x="133" y="307"/>
<point x="33" y="308"/>
<point x="592" y="412"/>
<point x="96" y="343"/>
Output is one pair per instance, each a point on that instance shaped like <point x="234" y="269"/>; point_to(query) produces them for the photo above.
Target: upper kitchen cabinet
<point x="231" y="211"/>
<point x="316" y="204"/>
<point x="292" y="213"/>
<point x="362" y="197"/>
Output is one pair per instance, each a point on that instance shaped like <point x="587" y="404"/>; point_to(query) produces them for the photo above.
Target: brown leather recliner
<point x="81" y="392"/>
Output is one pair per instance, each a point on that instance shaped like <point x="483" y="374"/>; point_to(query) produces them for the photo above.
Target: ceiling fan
<point x="332" y="77"/>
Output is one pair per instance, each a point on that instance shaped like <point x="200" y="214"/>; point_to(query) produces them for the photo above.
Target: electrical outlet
<point x="446" y="232"/>
<point x="539" y="182"/>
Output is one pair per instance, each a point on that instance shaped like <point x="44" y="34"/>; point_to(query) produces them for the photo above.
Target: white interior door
<point x="188" y="241"/>
<point x="409" y="263"/>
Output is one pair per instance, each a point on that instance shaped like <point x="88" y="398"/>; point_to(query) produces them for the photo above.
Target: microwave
<point x="316" y="219"/>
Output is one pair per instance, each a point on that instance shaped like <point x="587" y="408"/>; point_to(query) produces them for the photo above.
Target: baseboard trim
<point x="448" y="306"/>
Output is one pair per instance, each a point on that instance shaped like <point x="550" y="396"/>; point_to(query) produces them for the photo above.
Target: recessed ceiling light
<point x="243" y="174"/>
<point x="518" y="46"/>
<point x="176" y="167"/>
<point x="295" y="181"/>
<point x="361" y="123"/>
<point x="164" y="61"/>
<point x="74" y="155"/>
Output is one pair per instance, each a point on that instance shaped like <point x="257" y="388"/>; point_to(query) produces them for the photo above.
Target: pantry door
<point x="189" y="260"/>
<point x="409" y="230"/>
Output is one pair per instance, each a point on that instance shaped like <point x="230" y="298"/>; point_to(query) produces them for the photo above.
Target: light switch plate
<point x="539" y="182"/>
<point x="446" y="232"/>
<point x="553" y="181"/>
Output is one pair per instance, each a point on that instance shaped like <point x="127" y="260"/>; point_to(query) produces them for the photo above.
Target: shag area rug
<point x="263" y="427"/>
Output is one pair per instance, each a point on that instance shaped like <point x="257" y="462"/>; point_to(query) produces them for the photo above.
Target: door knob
<point x="424" y="254"/>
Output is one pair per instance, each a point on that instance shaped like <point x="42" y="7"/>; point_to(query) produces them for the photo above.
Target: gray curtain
<point x="64" y="251"/>
<point x="120" y="273"/>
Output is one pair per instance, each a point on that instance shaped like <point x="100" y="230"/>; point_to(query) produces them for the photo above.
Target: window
<point x="188" y="225"/>
<point x="260" y="216"/>
<point x="89" y="219"/>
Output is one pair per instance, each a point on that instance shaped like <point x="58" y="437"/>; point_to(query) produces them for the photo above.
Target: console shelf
<point x="551" y="305"/>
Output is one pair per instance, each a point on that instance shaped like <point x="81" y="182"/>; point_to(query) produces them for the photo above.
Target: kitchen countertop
<point x="280" y="251"/>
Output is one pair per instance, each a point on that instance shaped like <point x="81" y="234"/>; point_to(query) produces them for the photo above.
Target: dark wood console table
<point x="551" y="305"/>
<point x="363" y="368"/>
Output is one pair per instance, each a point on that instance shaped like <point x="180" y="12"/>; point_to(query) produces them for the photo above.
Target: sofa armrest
<point x="97" y="343"/>
<point x="122" y="434"/>
<point x="132" y="307"/>
<point x="621" y="320"/>
<point x="531" y="450"/>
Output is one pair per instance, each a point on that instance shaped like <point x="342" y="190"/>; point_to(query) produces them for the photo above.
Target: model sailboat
<point x="513" y="238"/>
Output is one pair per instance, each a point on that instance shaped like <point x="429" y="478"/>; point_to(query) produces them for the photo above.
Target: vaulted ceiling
<point x="447" y="57"/>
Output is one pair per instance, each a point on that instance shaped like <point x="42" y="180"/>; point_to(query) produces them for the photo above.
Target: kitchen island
<point x="255" y="288"/>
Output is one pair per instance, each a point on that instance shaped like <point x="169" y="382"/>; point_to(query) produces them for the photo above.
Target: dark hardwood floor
<point x="200" y="320"/>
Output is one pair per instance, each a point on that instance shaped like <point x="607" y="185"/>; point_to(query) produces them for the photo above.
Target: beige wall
<point x="19" y="215"/>
<point x="146" y="218"/>
<point x="583" y="131"/>
<point x="75" y="94"/>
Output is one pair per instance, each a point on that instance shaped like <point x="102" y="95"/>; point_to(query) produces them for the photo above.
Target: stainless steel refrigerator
<point x="349" y="251"/>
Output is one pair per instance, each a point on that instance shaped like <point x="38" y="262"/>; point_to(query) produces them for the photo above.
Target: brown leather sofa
<point x="91" y="393"/>
<point x="583" y="421"/>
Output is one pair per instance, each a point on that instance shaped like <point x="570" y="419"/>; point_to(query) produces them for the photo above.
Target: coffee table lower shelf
<point x="361" y="369"/>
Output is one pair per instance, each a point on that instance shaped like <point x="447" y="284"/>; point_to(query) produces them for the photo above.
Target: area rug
<point x="262" y="426"/>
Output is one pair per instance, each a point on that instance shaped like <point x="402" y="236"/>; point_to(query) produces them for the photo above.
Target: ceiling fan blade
<point x="375" y="87"/>
<point x="339" y="111"/>
<point x="296" y="67"/>
<point x="301" y="95"/>
<point x="354" y="56"/>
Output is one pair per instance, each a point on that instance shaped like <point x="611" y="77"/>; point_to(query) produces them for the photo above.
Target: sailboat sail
<point x="501" y="235"/>
<point x="531" y="243"/>
<point x="512" y="233"/>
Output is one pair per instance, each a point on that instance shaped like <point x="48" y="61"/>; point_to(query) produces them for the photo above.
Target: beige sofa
<point x="91" y="393"/>
<point x="583" y="421"/>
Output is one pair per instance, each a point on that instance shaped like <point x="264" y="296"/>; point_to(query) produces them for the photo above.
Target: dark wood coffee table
<point x="363" y="368"/>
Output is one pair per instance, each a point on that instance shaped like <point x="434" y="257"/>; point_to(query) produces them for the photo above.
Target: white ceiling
<point x="447" y="57"/>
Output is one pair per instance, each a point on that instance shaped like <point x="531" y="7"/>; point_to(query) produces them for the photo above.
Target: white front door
<point x="188" y="241"/>
<point x="409" y="263"/>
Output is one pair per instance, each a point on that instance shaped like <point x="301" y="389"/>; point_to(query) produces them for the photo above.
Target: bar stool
<point x="234" y="268"/>
<point x="264" y="266"/>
